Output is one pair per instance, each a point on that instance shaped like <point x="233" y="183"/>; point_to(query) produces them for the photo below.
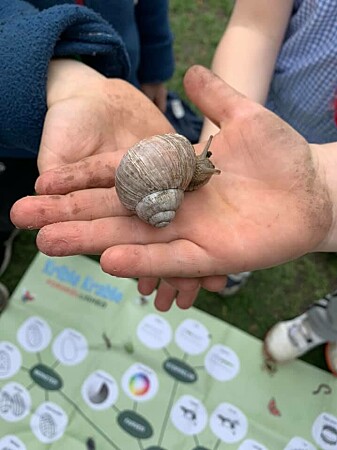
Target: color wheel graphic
<point x="139" y="384"/>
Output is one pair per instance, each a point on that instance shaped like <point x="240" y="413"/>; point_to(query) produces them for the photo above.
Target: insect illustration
<point x="228" y="423"/>
<point x="154" y="174"/>
<point x="189" y="414"/>
<point x="273" y="408"/>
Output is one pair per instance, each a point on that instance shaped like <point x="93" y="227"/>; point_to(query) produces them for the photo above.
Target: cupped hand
<point x="89" y="114"/>
<point x="268" y="206"/>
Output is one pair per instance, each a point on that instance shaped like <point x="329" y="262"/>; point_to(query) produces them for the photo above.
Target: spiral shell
<point x="153" y="175"/>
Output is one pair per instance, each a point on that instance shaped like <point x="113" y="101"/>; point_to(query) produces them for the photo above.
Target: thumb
<point x="215" y="98"/>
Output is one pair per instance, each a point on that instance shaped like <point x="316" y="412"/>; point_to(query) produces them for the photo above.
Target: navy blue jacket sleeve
<point x="156" y="41"/>
<point x="28" y="40"/>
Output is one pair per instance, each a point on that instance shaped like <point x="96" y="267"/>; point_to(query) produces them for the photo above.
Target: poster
<point x="86" y="363"/>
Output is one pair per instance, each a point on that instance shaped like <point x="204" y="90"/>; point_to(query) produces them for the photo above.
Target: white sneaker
<point x="291" y="339"/>
<point x="234" y="283"/>
<point x="331" y="357"/>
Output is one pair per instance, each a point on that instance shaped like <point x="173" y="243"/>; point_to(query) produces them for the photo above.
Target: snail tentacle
<point x="204" y="169"/>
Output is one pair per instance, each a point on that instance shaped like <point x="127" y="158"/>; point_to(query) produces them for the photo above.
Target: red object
<point x="273" y="408"/>
<point x="331" y="367"/>
<point x="79" y="2"/>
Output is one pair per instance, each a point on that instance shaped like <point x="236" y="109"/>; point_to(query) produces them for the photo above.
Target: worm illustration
<point x="322" y="387"/>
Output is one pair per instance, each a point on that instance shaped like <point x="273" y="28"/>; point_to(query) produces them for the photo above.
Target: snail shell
<point x="153" y="175"/>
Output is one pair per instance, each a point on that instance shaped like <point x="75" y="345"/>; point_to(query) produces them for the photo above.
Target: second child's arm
<point x="247" y="52"/>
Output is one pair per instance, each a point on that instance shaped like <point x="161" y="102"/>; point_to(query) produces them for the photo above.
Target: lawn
<point x="270" y="295"/>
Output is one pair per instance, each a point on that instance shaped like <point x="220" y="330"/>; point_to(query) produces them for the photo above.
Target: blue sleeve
<point x="28" y="40"/>
<point x="156" y="41"/>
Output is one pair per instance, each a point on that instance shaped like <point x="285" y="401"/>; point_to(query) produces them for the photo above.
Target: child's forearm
<point x="245" y="59"/>
<point x="246" y="55"/>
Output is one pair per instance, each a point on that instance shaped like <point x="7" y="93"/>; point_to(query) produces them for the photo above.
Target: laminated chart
<point x="87" y="363"/>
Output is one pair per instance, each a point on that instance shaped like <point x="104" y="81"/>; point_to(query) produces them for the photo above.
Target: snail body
<point x="154" y="174"/>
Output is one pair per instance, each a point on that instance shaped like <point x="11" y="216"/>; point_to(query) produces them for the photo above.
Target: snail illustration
<point x="153" y="175"/>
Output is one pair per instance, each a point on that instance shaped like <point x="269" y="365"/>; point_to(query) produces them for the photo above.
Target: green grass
<point x="270" y="295"/>
<point x="197" y="26"/>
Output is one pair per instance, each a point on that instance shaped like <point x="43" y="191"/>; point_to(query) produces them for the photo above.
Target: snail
<point x="153" y="175"/>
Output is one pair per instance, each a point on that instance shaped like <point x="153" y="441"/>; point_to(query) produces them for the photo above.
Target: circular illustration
<point x="140" y="382"/>
<point x="34" y="334"/>
<point x="15" y="402"/>
<point x="10" y="360"/>
<point x="192" y="337"/>
<point x="250" y="444"/>
<point x="70" y="347"/>
<point x="189" y="415"/>
<point x="298" y="443"/>
<point x="228" y="423"/>
<point x="49" y="422"/>
<point x="324" y="431"/>
<point x="100" y="390"/>
<point x="222" y="363"/>
<point x="11" y="442"/>
<point x="154" y="332"/>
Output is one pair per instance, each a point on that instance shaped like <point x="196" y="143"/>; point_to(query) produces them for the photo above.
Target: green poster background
<point x="86" y="363"/>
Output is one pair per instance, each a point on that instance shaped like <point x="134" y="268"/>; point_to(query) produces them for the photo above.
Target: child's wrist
<point x="68" y="78"/>
<point x="325" y="159"/>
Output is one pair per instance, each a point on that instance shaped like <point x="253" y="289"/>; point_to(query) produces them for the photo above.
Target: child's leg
<point x="323" y="320"/>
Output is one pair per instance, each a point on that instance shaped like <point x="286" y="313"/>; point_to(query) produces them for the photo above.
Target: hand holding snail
<point x="273" y="205"/>
<point x="154" y="173"/>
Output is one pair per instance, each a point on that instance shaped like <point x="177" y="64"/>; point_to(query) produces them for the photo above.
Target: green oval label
<point x="180" y="370"/>
<point x="135" y="424"/>
<point x="46" y="377"/>
<point x="155" y="448"/>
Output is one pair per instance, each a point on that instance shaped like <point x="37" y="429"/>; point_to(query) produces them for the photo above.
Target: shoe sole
<point x="328" y="360"/>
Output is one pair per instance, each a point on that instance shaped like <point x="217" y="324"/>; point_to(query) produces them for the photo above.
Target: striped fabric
<point x="304" y="87"/>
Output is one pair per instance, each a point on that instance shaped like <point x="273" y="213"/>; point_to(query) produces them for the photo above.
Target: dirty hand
<point x="89" y="114"/>
<point x="269" y="205"/>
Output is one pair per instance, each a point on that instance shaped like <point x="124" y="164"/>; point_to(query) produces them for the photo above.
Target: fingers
<point x="215" y="98"/>
<point x="93" y="237"/>
<point x="180" y="258"/>
<point x="182" y="290"/>
<point x="185" y="290"/>
<point x="213" y="283"/>
<point x="36" y="212"/>
<point x="147" y="285"/>
<point x="95" y="171"/>
<point x="167" y="294"/>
